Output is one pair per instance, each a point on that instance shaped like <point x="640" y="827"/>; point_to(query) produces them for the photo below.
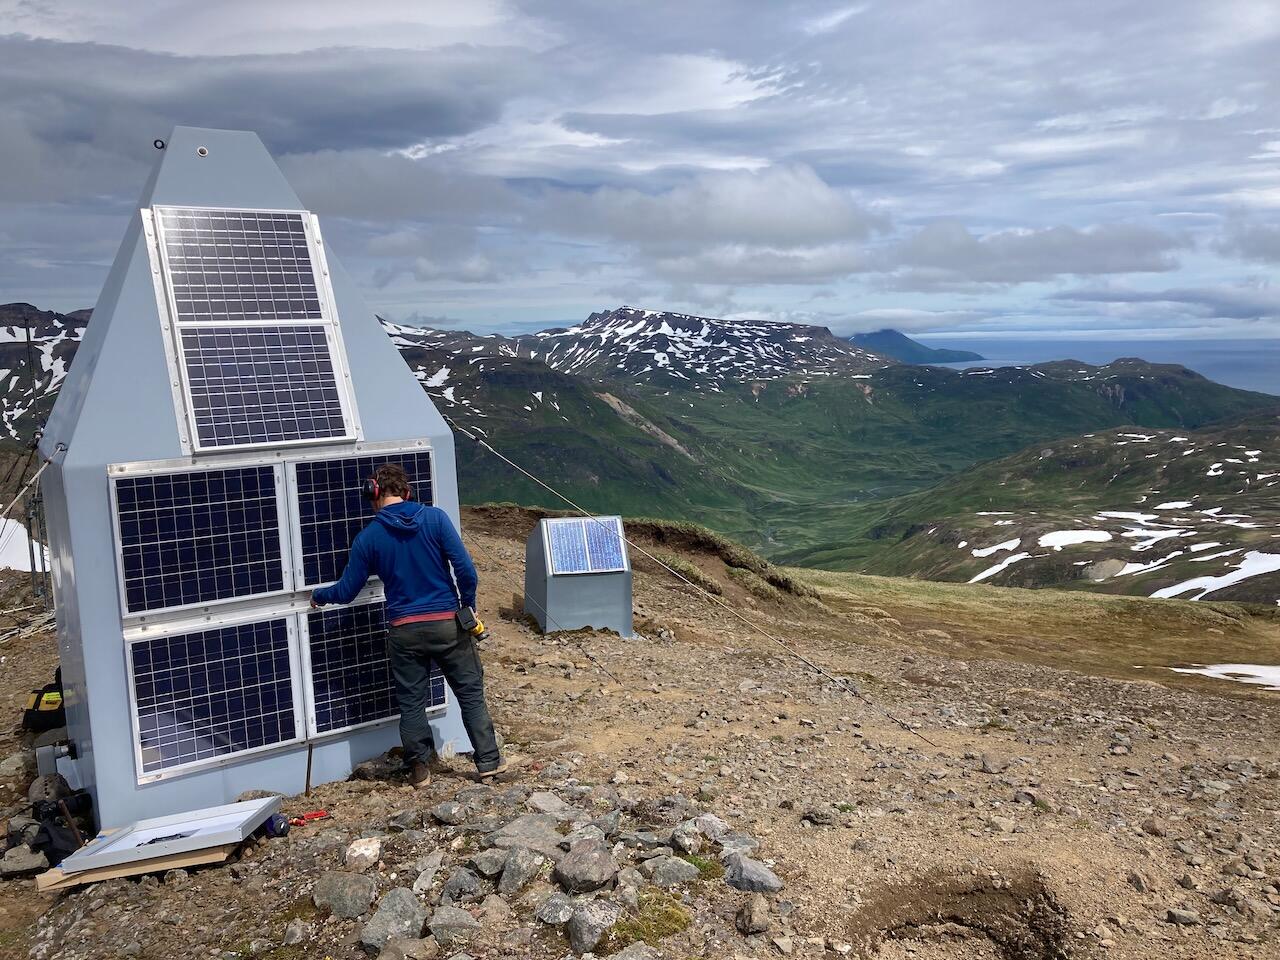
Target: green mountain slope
<point x="891" y="343"/>
<point x="1121" y="511"/>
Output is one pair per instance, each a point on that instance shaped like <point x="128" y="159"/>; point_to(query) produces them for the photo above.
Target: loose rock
<point x="743" y="873"/>
<point x="589" y="924"/>
<point x="399" y="914"/>
<point x="453" y="925"/>
<point x="345" y="895"/>
<point x="588" y="866"/>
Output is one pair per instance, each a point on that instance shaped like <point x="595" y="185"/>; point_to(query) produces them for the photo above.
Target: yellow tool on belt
<point x="472" y="624"/>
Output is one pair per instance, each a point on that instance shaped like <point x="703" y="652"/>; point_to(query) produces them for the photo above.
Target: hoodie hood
<point x="402" y="519"/>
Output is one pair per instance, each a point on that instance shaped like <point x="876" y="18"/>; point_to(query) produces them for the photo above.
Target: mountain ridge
<point x="896" y="344"/>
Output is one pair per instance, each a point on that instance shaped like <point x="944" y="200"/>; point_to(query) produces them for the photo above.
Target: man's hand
<point x="314" y="604"/>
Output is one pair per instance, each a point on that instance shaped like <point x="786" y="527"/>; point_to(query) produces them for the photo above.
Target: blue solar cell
<point x="260" y="384"/>
<point x="199" y="696"/>
<point x="568" y="545"/>
<point x="190" y="538"/>
<point x="604" y="545"/>
<point x="350" y="674"/>
<point x="234" y="265"/>
<point x="331" y="510"/>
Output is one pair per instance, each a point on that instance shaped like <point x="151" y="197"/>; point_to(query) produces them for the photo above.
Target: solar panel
<point x="604" y="544"/>
<point x="331" y="510"/>
<point x="262" y="384"/>
<point x="211" y="693"/>
<point x="250" y="265"/>
<point x="585" y="545"/>
<point x="195" y="537"/>
<point x="351" y="682"/>
<point x="568" y="546"/>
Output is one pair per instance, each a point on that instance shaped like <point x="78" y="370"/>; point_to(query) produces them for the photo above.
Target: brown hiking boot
<point x="419" y="775"/>
<point x="502" y="767"/>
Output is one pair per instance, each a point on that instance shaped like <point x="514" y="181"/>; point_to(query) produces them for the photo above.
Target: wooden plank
<point x="52" y="881"/>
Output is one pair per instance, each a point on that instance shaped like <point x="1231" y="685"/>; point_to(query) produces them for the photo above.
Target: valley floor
<point x="1064" y="804"/>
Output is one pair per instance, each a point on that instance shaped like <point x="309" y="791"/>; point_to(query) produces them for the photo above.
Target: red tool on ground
<point x="309" y="817"/>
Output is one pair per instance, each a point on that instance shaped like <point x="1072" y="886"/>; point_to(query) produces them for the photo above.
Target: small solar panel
<point x="351" y="681"/>
<point x="208" y="694"/>
<point x="195" y="537"/>
<point x="604" y="544"/>
<point x="331" y="509"/>
<point x="233" y="265"/>
<point x="585" y="545"/>
<point x="568" y="546"/>
<point x="263" y="384"/>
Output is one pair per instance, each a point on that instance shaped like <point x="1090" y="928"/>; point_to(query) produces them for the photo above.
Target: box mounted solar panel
<point x="208" y="695"/>
<point x="193" y="536"/>
<point x="577" y="545"/>
<point x="331" y="509"/>
<point x="252" y="339"/>
<point x="345" y="661"/>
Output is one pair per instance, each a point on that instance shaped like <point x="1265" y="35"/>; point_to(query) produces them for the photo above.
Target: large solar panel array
<point x="195" y="537"/>
<point x="351" y="679"/>
<point x="585" y="545"/>
<point x="331" y="510"/>
<point x="251" y="333"/>
<point x="211" y="693"/>
<point x="252" y="385"/>
<point x="251" y="265"/>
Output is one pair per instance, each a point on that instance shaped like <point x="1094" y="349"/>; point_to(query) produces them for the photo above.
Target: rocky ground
<point x="698" y="792"/>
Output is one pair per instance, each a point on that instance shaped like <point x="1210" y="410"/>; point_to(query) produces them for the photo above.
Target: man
<point x="411" y="548"/>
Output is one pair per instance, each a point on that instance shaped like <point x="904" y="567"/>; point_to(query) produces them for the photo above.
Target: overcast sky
<point x="980" y="168"/>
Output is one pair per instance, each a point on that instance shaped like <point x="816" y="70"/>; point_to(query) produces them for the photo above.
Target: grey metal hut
<point x="231" y="391"/>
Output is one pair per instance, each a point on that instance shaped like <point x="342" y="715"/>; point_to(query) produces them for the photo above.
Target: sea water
<point x="1247" y="364"/>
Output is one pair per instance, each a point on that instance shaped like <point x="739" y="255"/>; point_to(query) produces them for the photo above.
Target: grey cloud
<point x="946" y="253"/>
<point x="1252" y="241"/>
<point x="1259" y="303"/>
<point x="110" y="102"/>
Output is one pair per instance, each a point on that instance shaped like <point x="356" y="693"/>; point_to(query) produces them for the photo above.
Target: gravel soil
<point x="1032" y="811"/>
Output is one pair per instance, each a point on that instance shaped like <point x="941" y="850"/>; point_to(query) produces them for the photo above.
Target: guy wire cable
<point x="840" y="682"/>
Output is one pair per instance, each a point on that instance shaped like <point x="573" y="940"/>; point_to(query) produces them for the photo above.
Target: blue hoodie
<point x="410" y="548"/>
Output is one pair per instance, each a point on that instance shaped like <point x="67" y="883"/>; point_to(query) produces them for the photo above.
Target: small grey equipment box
<point x="577" y="573"/>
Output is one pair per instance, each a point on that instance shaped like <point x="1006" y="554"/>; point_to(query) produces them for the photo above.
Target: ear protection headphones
<point x="371" y="491"/>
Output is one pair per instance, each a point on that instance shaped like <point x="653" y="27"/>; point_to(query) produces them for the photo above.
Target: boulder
<point x="452" y="925"/>
<point x="519" y="869"/>
<point x="21" y="860"/>
<point x="345" y="895"/>
<point x="535" y="831"/>
<point x="743" y="873"/>
<point x="544" y="801"/>
<point x="753" y="916"/>
<point x="399" y="915"/>
<point x="451" y="812"/>
<point x="488" y="863"/>
<point x="362" y="854"/>
<point x="668" y="872"/>
<point x="588" y="866"/>
<point x="590" y="922"/>
<point x="461" y="885"/>
<point x="555" y="910"/>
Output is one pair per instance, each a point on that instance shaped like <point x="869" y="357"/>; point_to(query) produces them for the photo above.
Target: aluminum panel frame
<point x="387" y="447"/>
<point x="304" y="646"/>
<point x="329" y="321"/>
<point x="195" y="766"/>
<point x="164" y="467"/>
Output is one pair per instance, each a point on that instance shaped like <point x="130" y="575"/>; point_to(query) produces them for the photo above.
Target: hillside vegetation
<point x="1160" y="512"/>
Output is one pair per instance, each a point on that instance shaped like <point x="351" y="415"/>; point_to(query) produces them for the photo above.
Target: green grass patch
<point x="708" y="869"/>
<point x="660" y="915"/>
<point x="755" y="585"/>
<point x="690" y="571"/>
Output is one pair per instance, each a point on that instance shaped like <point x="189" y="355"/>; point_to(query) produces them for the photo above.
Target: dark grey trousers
<point x="412" y="648"/>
